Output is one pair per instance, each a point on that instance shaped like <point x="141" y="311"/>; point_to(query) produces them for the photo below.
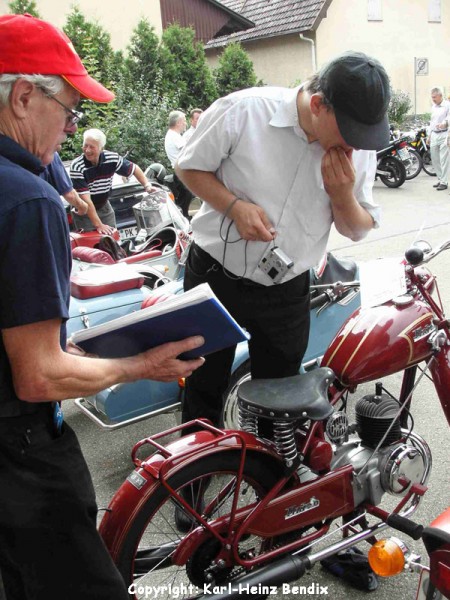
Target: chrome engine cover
<point x="377" y="473"/>
<point x="402" y="463"/>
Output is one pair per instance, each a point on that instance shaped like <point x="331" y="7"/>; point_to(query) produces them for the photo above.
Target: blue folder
<point x="207" y="317"/>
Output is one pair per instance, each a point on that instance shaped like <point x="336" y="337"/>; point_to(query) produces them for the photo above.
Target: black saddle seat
<point x="289" y="398"/>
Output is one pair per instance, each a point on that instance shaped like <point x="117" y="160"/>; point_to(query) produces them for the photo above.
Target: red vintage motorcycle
<point x="257" y="500"/>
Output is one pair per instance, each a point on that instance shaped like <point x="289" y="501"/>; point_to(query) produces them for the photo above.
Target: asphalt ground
<point x="413" y="211"/>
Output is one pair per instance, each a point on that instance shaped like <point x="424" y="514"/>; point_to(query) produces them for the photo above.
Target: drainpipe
<point x="313" y="50"/>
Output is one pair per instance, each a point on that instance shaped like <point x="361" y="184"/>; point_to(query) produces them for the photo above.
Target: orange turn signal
<point x="387" y="557"/>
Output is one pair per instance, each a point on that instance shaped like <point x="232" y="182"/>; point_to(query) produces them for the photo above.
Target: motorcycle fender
<point x="442" y="522"/>
<point x="440" y="372"/>
<point x="142" y="482"/>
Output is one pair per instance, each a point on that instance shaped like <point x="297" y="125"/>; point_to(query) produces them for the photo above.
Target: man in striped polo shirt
<point x="92" y="175"/>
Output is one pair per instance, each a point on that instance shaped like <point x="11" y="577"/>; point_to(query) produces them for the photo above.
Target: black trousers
<point x="49" y="544"/>
<point x="277" y="318"/>
<point x="183" y="196"/>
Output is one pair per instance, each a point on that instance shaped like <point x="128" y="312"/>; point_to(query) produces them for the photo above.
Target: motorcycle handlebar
<point x="331" y="292"/>
<point x="414" y="530"/>
<point x="319" y="300"/>
<point x="419" y="256"/>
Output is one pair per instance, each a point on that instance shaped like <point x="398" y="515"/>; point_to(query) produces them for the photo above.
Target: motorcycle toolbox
<point x="102" y="281"/>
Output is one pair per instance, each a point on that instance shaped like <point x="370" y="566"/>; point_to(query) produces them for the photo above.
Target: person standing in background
<point x="92" y="176"/>
<point x="174" y="142"/>
<point x="439" y="150"/>
<point x="194" y="116"/>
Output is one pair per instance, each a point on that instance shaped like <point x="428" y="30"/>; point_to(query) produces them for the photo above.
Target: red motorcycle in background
<point x="392" y="556"/>
<point x="257" y="500"/>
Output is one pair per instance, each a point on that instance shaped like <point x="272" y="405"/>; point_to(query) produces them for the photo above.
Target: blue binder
<point x="195" y="312"/>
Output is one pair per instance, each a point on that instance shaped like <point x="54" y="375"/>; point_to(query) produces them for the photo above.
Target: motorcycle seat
<point x="433" y="538"/>
<point x="88" y="238"/>
<point x="289" y="398"/>
<point x="92" y="255"/>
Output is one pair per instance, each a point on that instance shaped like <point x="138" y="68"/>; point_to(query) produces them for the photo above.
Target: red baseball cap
<point x="30" y="46"/>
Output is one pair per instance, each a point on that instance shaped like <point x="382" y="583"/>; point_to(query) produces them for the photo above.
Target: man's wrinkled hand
<point x="161" y="363"/>
<point x="338" y="173"/>
<point x="105" y="229"/>
<point x="252" y="222"/>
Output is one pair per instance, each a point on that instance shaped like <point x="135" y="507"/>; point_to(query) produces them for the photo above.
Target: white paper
<point x="381" y="280"/>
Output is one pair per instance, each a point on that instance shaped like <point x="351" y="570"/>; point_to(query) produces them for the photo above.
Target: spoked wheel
<point x="230" y="405"/>
<point x="145" y="557"/>
<point x="415" y="165"/>
<point x="396" y="172"/>
<point x="428" y="165"/>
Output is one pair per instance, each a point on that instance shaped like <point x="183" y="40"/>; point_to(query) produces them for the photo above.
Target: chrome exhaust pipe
<point x="289" y="568"/>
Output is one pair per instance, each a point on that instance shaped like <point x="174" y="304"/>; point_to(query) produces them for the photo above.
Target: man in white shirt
<point x="194" y="116"/>
<point x="174" y="142"/>
<point x="276" y="167"/>
<point x="440" y="157"/>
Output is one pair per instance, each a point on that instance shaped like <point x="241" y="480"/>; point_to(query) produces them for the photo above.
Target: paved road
<point x="413" y="211"/>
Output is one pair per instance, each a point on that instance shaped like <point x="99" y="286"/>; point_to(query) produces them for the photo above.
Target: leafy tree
<point x="235" y="70"/>
<point x="184" y="68"/>
<point x="141" y="66"/>
<point x="93" y="44"/>
<point x="399" y="107"/>
<point x="140" y="126"/>
<point x="20" y="7"/>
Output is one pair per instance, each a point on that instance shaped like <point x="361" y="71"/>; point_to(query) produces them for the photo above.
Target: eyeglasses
<point x="73" y="117"/>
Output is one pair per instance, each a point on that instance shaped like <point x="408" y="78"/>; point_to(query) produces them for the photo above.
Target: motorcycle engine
<point x="394" y="467"/>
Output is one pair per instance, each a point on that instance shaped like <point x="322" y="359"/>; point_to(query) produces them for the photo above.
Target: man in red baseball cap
<point x="49" y="545"/>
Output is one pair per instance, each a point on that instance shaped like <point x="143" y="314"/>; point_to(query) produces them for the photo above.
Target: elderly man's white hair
<point x="97" y="135"/>
<point x="49" y="84"/>
<point x="175" y="116"/>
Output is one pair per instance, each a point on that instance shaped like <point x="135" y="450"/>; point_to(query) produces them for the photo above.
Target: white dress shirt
<point x="253" y="143"/>
<point x="188" y="134"/>
<point x="439" y="114"/>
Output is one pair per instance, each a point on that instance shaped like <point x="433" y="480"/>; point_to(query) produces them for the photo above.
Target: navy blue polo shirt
<point x="35" y="258"/>
<point x="57" y="176"/>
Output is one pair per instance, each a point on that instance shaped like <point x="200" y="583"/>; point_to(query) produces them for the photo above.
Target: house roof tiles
<point x="273" y="18"/>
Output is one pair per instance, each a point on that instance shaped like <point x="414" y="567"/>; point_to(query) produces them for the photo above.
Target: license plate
<point x="403" y="153"/>
<point x="127" y="233"/>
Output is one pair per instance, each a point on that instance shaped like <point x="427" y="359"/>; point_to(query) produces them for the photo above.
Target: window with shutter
<point x="434" y="11"/>
<point x="374" y="10"/>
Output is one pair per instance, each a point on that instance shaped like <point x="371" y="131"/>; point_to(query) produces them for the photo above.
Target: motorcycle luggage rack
<point x="205" y="424"/>
<point x="172" y="459"/>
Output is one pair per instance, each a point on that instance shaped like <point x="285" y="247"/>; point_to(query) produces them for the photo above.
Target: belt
<point x="440" y="130"/>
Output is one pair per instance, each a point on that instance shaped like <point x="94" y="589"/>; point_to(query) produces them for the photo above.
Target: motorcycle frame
<point x="267" y="517"/>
